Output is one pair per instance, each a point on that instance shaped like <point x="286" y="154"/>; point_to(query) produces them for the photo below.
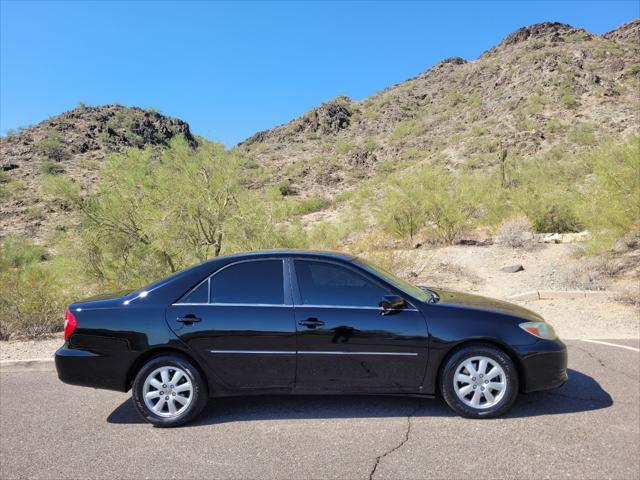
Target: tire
<point x="464" y="367"/>
<point x="179" y="403"/>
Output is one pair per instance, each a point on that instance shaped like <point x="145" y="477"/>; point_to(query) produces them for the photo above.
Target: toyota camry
<point x="292" y="322"/>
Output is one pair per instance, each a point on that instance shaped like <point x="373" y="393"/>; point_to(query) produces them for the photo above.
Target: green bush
<point x="568" y="100"/>
<point x="611" y="202"/>
<point x="51" y="167"/>
<point x="583" y="134"/>
<point x="310" y="205"/>
<point x="52" y="147"/>
<point x="155" y="212"/>
<point x="31" y="304"/>
<point x="557" y="217"/>
<point x="17" y="251"/>
<point x="450" y="203"/>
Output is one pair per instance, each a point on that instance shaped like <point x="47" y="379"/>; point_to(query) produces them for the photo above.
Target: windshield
<point x="406" y="287"/>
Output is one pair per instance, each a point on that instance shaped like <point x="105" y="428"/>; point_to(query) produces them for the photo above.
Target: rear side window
<point x="249" y="282"/>
<point x="323" y="283"/>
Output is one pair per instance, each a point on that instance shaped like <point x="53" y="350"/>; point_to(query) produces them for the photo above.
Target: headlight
<point x="540" y="330"/>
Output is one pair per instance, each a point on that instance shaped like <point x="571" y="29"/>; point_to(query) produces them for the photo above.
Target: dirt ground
<point x="477" y="269"/>
<point x="546" y="267"/>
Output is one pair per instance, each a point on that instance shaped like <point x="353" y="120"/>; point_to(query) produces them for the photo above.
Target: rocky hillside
<point x="544" y="86"/>
<point x="71" y="144"/>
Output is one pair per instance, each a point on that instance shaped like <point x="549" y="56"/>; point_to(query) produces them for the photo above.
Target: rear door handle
<point x="188" y="319"/>
<point x="311" y="322"/>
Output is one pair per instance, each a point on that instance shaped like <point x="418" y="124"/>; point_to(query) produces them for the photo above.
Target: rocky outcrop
<point x="553" y="32"/>
<point x="72" y="143"/>
<point x="626" y="33"/>
<point x="330" y="117"/>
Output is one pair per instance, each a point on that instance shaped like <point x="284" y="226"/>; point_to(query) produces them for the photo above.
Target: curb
<point x="28" y="364"/>
<point x="552" y="294"/>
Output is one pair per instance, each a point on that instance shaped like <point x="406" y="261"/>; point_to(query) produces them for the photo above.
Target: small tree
<point x="433" y="195"/>
<point x="153" y="213"/>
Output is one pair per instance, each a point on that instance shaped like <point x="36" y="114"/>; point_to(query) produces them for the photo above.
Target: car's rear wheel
<point x="168" y="391"/>
<point x="479" y="381"/>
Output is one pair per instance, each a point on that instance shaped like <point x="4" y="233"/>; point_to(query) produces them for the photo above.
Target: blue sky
<point x="231" y="69"/>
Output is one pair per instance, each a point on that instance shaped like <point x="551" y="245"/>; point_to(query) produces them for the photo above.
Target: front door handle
<point x="311" y="322"/>
<point x="188" y="319"/>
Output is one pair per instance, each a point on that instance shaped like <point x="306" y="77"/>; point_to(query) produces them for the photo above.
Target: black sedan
<point x="290" y="322"/>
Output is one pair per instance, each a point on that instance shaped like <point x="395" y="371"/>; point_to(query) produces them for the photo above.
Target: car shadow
<point x="580" y="393"/>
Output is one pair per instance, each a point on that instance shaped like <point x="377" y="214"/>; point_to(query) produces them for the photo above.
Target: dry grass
<point x="592" y="273"/>
<point x="515" y="232"/>
<point x="629" y="296"/>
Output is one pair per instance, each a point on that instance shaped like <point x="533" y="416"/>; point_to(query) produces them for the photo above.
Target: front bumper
<point x="544" y="366"/>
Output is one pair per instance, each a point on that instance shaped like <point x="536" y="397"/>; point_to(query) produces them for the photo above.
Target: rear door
<point x="345" y="344"/>
<point x="240" y="321"/>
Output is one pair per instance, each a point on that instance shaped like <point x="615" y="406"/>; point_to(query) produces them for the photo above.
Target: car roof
<point x="288" y="253"/>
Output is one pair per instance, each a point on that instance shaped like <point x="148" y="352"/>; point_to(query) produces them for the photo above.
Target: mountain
<point x="72" y="144"/>
<point x="544" y="86"/>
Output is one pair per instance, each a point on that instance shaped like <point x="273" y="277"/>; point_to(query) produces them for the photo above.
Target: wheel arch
<point x="157" y="351"/>
<point x="489" y="342"/>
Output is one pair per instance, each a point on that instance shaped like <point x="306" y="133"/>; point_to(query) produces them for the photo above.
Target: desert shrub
<point x="610" y="206"/>
<point x="35" y="213"/>
<point x="554" y="125"/>
<point x="51" y="167"/>
<point x="433" y="195"/>
<point x="309" y="205"/>
<point x="17" y="251"/>
<point x="536" y="103"/>
<point x="583" y="134"/>
<point x="413" y="128"/>
<point x="33" y="293"/>
<point x="402" y="212"/>
<point x="544" y="189"/>
<point x="52" y="147"/>
<point x="30" y="302"/>
<point x="125" y="122"/>
<point x="590" y="273"/>
<point x="629" y="296"/>
<point x="153" y="213"/>
<point x="515" y="231"/>
<point x="557" y="217"/>
<point x="568" y="100"/>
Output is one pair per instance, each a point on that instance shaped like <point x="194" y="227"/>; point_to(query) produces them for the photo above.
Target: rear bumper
<point x="546" y="367"/>
<point x="88" y="369"/>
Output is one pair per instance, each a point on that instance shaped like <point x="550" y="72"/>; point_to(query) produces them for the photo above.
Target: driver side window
<point x="323" y="283"/>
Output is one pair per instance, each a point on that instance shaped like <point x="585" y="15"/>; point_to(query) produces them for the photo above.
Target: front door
<point x="345" y="343"/>
<point x="240" y="322"/>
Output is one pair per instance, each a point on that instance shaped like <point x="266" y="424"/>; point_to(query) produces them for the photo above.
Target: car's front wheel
<point x="479" y="381"/>
<point x="168" y="391"/>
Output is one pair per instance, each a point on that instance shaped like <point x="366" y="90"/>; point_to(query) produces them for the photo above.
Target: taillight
<point x="70" y="324"/>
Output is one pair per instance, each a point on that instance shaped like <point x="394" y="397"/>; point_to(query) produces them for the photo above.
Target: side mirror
<point x="391" y="303"/>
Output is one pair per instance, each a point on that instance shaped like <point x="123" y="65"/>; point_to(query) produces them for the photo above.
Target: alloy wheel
<point x="480" y="382"/>
<point x="167" y="391"/>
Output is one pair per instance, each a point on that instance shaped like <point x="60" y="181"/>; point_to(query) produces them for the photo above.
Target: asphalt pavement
<point x="589" y="428"/>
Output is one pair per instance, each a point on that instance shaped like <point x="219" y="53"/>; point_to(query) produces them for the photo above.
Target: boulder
<point x="512" y="268"/>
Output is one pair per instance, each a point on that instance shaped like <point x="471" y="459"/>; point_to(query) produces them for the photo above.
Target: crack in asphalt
<point x="404" y="440"/>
